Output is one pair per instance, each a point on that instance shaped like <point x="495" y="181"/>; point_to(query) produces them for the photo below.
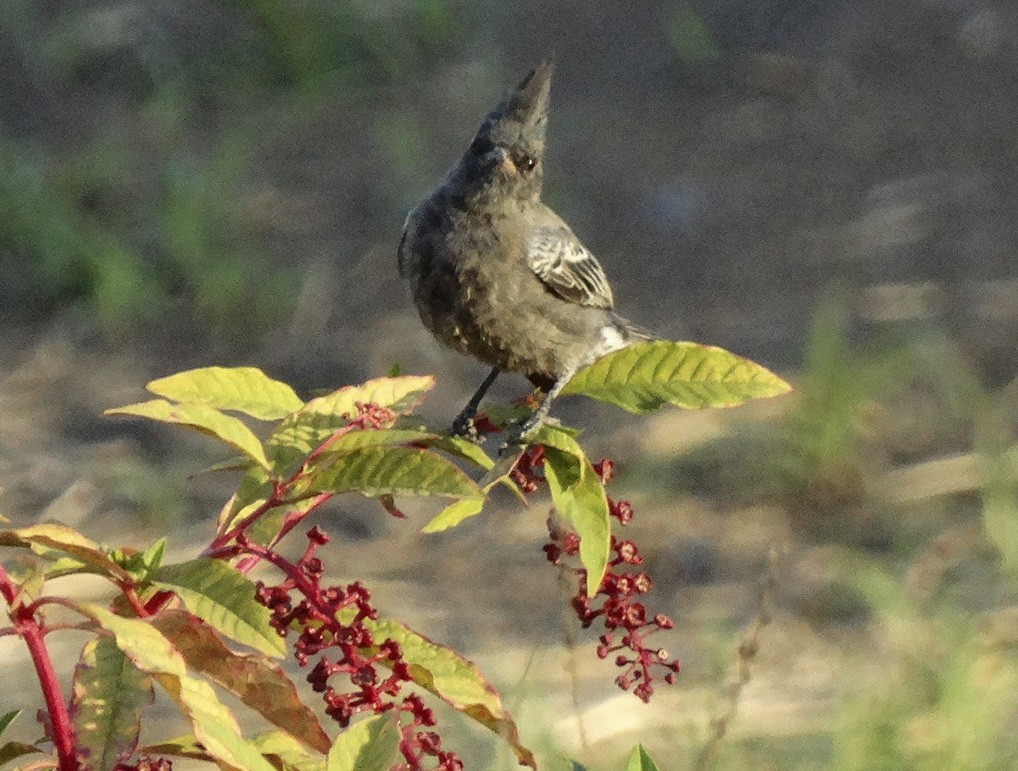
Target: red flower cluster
<point x="332" y="618"/>
<point x="625" y="619"/>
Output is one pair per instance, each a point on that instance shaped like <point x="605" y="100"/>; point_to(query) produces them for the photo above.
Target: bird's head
<point x="507" y="152"/>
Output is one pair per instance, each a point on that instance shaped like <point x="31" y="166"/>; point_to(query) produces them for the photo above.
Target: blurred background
<point x="828" y="188"/>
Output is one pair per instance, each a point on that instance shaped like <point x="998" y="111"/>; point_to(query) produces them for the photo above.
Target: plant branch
<point x="31" y="632"/>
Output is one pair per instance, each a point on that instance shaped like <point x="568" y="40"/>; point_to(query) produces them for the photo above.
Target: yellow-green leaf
<point x="243" y="389"/>
<point x="370" y="745"/>
<point x="47" y="538"/>
<point x="305" y="430"/>
<point x="641" y="760"/>
<point x="642" y="377"/>
<point x="375" y="471"/>
<point x="212" y="722"/>
<point x="203" y="418"/>
<point x="453" y="514"/>
<point x="224" y="598"/>
<point x="287" y="753"/>
<point x="109" y="696"/>
<point x="579" y="497"/>
<point x="448" y="675"/>
<point x="260" y="683"/>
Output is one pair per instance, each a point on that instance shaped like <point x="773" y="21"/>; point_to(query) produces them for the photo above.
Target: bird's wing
<point x="568" y="268"/>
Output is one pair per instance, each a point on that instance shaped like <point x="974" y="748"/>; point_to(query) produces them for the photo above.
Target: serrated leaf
<point x="7" y="719"/>
<point x="305" y="430"/>
<point x="108" y="697"/>
<point x="453" y="514"/>
<point x="260" y="683"/>
<point x="580" y="499"/>
<point x="202" y="418"/>
<point x="242" y="389"/>
<point x="644" y="376"/>
<point x="224" y="598"/>
<point x="68" y="541"/>
<point x="641" y="760"/>
<point x="455" y="680"/>
<point x="212" y="722"/>
<point x="370" y="745"/>
<point x="376" y="471"/>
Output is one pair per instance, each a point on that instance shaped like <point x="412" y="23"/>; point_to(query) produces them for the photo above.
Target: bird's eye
<point x="525" y="163"/>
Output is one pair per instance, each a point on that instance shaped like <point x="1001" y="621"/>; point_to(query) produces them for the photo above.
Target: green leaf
<point x="243" y="389"/>
<point x="464" y="448"/>
<point x="108" y="698"/>
<point x="45" y="538"/>
<point x="375" y="471"/>
<point x="454" y="679"/>
<point x="642" y="377"/>
<point x="260" y="683"/>
<point x="453" y="514"/>
<point x="179" y="746"/>
<point x="223" y="597"/>
<point x="580" y="499"/>
<point x="7" y="719"/>
<point x="13" y="750"/>
<point x="370" y="745"/>
<point x="212" y="722"/>
<point x="203" y="418"/>
<point x="305" y="430"/>
<point x="286" y="753"/>
<point x="640" y="760"/>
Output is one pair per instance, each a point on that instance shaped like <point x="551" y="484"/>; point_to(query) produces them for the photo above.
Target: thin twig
<point x="748" y="649"/>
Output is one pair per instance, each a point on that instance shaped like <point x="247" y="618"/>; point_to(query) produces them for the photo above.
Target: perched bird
<point x="497" y="274"/>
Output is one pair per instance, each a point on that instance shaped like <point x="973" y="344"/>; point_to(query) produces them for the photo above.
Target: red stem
<point x="63" y="733"/>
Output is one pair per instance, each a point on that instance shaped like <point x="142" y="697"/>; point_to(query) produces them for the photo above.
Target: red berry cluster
<point x="322" y="617"/>
<point x="625" y="618"/>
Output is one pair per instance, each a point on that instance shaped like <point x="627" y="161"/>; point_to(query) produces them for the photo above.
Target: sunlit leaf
<point x="376" y="471"/>
<point x="645" y="376"/>
<point x="203" y="418"/>
<point x="580" y="499"/>
<point x="212" y="722"/>
<point x="260" y="683"/>
<point x="47" y="538"/>
<point x="224" y="598"/>
<point x="640" y="760"/>
<point x="286" y="752"/>
<point x="243" y="389"/>
<point x="305" y="430"/>
<point x="109" y="696"/>
<point x="369" y="745"/>
<point x="448" y="675"/>
<point x="453" y="514"/>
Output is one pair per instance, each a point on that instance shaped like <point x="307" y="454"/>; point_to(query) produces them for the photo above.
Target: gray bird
<point x="497" y="274"/>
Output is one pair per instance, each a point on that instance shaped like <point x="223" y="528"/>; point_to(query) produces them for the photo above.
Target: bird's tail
<point x="632" y="333"/>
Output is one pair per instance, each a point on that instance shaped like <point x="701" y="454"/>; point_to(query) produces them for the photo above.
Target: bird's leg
<point x="540" y="415"/>
<point x="463" y="424"/>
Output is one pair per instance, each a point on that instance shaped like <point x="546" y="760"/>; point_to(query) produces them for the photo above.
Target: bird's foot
<point x="463" y="425"/>
<point x="517" y="437"/>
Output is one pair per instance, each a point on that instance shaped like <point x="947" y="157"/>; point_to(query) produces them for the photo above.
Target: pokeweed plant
<point x="188" y="626"/>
